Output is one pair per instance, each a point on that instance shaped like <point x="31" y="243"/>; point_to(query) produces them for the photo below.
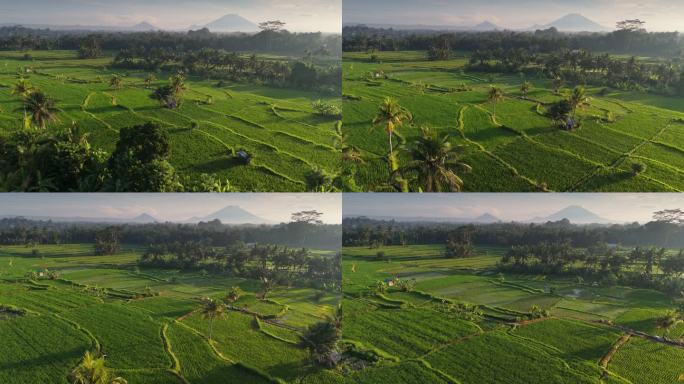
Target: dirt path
<point x="613" y="350"/>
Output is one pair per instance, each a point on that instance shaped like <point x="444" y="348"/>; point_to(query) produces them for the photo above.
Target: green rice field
<point x="511" y="145"/>
<point x="590" y="333"/>
<point x="277" y="126"/>
<point x="102" y="304"/>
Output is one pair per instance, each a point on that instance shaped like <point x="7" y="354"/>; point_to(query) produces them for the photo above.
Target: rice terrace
<point x="514" y="110"/>
<point x="208" y="308"/>
<point x="473" y="313"/>
<point x="234" y="112"/>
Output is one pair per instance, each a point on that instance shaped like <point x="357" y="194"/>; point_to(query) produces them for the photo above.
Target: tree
<point x="272" y="25"/>
<point x="234" y="294"/>
<point x="107" y="241"/>
<point x="212" y="310"/>
<point x="638" y="168"/>
<point x="89" y="48"/>
<point x="435" y="163"/>
<point x="308" y="217"/>
<point x="140" y="161"/>
<point x="171" y="96"/>
<point x="525" y="87"/>
<point x="116" y="82"/>
<point x="92" y="370"/>
<point x="630" y="25"/>
<point x="671" y="216"/>
<point x="495" y="95"/>
<point x="151" y="78"/>
<point x="41" y="108"/>
<point x="392" y="116"/>
<point x="578" y="99"/>
<point x="321" y="341"/>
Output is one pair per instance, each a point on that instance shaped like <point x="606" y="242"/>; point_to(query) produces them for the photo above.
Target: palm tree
<point x="41" y="108"/>
<point x="350" y="154"/>
<point x="669" y="320"/>
<point x="151" y="78"/>
<point x="92" y="370"/>
<point x="391" y="115"/>
<point x="578" y="99"/>
<point x="435" y="162"/>
<point x="212" y="310"/>
<point x="495" y="95"/>
<point x="525" y="87"/>
<point x="23" y="89"/>
<point x="116" y="82"/>
<point x="178" y="85"/>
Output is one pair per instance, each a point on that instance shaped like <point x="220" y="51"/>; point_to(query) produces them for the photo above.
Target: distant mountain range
<point x="228" y="24"/>
<point x="228" y="215"/>
<point x="575" y="214"/>
<point x="573" y="22"/>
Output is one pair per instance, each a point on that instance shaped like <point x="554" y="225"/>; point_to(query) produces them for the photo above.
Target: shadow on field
<point x="61" y="359"/>
<point x="216" y="165"/>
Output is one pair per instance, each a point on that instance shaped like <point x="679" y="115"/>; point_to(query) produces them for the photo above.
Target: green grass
<point x="641" y="361"/>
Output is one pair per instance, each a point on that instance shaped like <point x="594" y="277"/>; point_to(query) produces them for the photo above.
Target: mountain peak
<point x="575" y="22"/>
<point x="144" y="218"/>
<point x="144" y="26"/>
<point x="232" y="23"/>
<point x="487" y="218"/>
<point x="233" y="214"/>
<point x="576" y="214"/>
<point x="486" y="26"/>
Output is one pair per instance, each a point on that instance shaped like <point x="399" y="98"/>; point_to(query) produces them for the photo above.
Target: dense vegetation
<point x="513" y="111"/>
<point x="223" y="112"/>
<point x="188" y="311"/>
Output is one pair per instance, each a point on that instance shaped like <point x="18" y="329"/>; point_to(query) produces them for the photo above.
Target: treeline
<point x="272" y="264"/>
<point x="280" y="41"/>
<point x="375" y="233"/>
<point x="647" y="267"/>
<point x="20" y="231"/>
<point x="625" y="41"/>
<point x="218" y="64"/>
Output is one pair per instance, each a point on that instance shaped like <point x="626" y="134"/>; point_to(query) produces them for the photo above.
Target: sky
<point x="300" y="15"/>
<point x="660" y="15"/>
<point x="617" y="207"/>
<point x="274" y="207"/>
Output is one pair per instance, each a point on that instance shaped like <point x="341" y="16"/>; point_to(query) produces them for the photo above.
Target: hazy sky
<point x="275" y="207"/>
<point x="659" y="14"/>
<point x="300" y="15"/>
<point x="617" y="207"/>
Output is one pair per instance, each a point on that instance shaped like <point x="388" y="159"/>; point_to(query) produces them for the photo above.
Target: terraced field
<point x="511" y="145"/>
<point x="96" y="304"/>
<point x="593" y="334"/>
<point x="277" y="126"/>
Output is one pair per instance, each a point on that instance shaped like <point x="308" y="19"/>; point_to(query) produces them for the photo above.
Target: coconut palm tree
<point x="92" y="370"/>
<point x="178" y="85"/>
<point x="669" y="320"/>
<point x="350" y="154"/>
<point x="116" y="82"/>
<point x="525" y="87"/>
<point x="41" y="108"/>
<point x="212" y="310"/>
<point x="495" y="95"/>
<point x="22" y="88"/>
<point x="391" y="115"/>
<point x="578" y="99"/>
<point x="435" y="163"/>
<point x="151" y="78"/>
